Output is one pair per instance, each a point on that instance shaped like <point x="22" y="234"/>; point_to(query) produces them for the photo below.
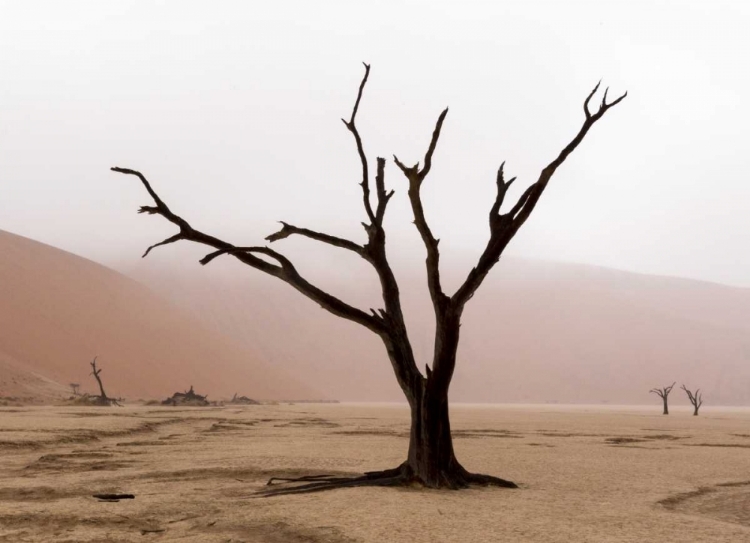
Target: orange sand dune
<point x="536" y="331"/>
<point x="57" y="311"/>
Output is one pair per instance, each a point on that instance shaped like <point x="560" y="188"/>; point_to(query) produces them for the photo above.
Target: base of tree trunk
<point x="403" y="475"/>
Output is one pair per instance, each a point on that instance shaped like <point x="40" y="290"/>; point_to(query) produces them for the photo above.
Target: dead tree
<point x="102" y="399"/>
<point x="74" y="387"/>
<point x="663" y="393"/>
<point x="695" y="399"/>
<point x="430" y="460"/>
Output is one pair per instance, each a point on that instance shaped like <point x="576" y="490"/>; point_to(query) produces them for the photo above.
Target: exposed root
<point x="489" y="480"/>
<point x="403" y="475"/>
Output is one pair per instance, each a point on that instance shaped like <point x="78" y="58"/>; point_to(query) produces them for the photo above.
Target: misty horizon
<point x="235" y="120"/>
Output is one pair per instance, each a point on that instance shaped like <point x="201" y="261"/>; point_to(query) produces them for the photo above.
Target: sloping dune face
<point x="58" y="311"/>
<point x="536" y="332"/>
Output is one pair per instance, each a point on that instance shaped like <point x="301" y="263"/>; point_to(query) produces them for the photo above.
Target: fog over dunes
<point x="537" y="331"/>
<point x="60" y="310"/>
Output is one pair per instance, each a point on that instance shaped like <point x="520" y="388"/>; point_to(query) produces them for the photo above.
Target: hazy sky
<point x="232" y="109"/>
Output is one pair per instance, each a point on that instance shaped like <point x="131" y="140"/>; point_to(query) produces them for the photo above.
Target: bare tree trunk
<point x="663" y="393"/>
<point x="695" y="399"/>
<point x="103" y="398"/>
<point x="101" y="386"/>
<point x="431" y="458"/>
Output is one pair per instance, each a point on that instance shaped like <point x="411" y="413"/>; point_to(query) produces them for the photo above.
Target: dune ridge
<point x="59" y="310"/>
<point x="536" y="332"/>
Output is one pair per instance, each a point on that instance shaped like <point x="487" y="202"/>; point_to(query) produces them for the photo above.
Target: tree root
<point x="403" y="475"/>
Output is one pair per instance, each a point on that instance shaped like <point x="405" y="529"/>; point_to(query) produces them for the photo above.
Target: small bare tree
<point x="663" y="393"/>
<point x="430" y="459"/>
<point x="102" y="399"/>
<point x="695" y="399"/>
<point x="74" y="387"/>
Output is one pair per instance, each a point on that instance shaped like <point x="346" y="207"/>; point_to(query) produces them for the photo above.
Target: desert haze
<point x="542" y="332"/>
<point x="60" y="310"/>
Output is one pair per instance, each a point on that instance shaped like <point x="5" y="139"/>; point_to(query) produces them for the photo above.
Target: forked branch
<point x="374" y="250"/>
<point x="375" y="216"/>
<point x="352" y="127"/>
<point x="695" y="398"/>
<point x="503" y="226"/>
<point x="416" y="176"/>
<point x="663" y="392"/>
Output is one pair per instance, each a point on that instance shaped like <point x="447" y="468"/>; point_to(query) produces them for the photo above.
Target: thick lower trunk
<point x="101" y="387"/>
<point x="695" y="413"/>
<point x="666" y="408"/>
<point x="431" y="459"/>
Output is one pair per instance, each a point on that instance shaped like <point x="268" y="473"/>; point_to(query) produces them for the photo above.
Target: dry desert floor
<point x="593" y="474"/>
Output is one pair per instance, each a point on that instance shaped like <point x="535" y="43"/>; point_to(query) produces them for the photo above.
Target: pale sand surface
<point x="194" y="472"/>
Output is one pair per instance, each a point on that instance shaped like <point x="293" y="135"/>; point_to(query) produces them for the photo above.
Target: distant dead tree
<point x="695" y="399"/>
<point x="430" y="460"/>
<point x="74" y="387"/>
<point x="663" y="393"/>
<point x="102" y="399"/>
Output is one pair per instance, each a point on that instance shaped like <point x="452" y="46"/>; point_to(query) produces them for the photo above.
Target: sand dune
<point x="536" y="332"/>
<point x="57" y="311"/>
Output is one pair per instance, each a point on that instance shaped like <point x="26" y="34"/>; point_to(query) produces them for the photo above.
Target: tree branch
<point x="285" y="265"/>
<point x="383" y="196"/>
<point x="415" y="176"/>
<point x="502" y="189"/>
<point x="503" y="227"/>
<point x="663" y="392"/>
<point x="352" y="127"/>
<point x="433" y="145"/>
<point x="289" y="230"/>
<point x="388" y="323"/>
<point x="285" y="270"/>
<point x="694" y="398"/>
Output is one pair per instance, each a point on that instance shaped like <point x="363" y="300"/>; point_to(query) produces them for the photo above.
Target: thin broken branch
<point x="433" y="144"/>
<point x="352" y="127"/>
<point x="289" y="230"/>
